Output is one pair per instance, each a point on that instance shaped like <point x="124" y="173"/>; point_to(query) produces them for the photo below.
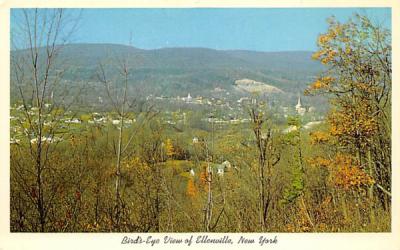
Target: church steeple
<point x="299" y="109"/>
<point x="298" y="106"/>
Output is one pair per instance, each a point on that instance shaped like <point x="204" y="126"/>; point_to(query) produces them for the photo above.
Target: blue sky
<point x="250" y="29"/>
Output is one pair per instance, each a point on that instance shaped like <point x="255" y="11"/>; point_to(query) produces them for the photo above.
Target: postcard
<point x="199" y="124"/>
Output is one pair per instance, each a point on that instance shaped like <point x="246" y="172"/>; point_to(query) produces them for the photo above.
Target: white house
<point x="220" y="170"/>
<point x="14" y="141"/>
<point x="226" y="164"/>
<point x="223" y="167"/>
<point x="75" y="120"/>
<point x="46" y="139"/>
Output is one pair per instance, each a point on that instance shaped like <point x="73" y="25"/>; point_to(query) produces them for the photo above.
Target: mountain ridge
<point x="177" y="71"/>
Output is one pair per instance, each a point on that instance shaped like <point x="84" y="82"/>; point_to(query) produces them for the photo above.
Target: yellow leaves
<point x="134" y="161"/>
<point x="290" y="228"/>
<point x="317" y="55"/>
<point x="325" y="55"/>
<point x="338" y="30"/>
<point x="367" y="88"/>
<point x="169" y="148"/>
<point x="348" y="50"/>
<point x="328" y="43"/>
<point x="319" y="162"/>
<point x="90" y="227"/>
<point x="319" y="137"/>
<point x="329" y="57"/>
<point x="74" y="141"/>
<point x="353" y="121"/>
<point x="322" y="82"/>
<point x="324" y="39"/>
<point x="316" y="85"/>
<point x="334" y="32"/>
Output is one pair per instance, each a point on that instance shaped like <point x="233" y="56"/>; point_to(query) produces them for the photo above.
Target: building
<point x="226" y="164"/>
<point x="220" y="170"/>
<point x="223" y="167"/>
<point x="299" y="108"/>
<point x="188" y="98"/>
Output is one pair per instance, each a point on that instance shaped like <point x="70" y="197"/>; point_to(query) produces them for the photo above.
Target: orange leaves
<point x="203" y="177"/>
<point x="316" y="85"/>
<point x="191" y="189"/>
<point x="329" y="56"/>
<point x="326" y="42"/>
<point x="348" y="174"/>
<point x="317" y="55"/>
<point x="354" y="122"/>
<point x="366" y="88"/>
<point x="325" y="55"/>
<point x="325" y="38"/>
<point x="321" y="83"/>
<point x="351" y="176"/>
<point x="344" y="171"/>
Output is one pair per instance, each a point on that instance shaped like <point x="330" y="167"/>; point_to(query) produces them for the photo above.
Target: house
<point x="75" y="120"/>
<point x="47" y="139"/>
<point x="226" y="164"/>
<point x="220" y="170"/>
<point x="223" y="167"/>
<point x="14" y="141"/>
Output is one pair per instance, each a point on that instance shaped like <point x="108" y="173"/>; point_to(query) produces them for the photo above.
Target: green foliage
<point x="296" y="186"/>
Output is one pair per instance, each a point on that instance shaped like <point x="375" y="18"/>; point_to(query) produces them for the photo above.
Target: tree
<point x="36" y="73"/>
<point x="358" y="81"/>
<point x="123" y="106"/>
<point x="169" y="148"/>
<point x="296" y="189"/>
<point x="268" y="157"/>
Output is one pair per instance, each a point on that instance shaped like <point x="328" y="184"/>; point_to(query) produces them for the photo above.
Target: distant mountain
<point x="178" y="71"/>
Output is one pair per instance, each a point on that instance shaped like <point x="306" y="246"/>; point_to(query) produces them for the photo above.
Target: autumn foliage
<point x="358" y="82"/>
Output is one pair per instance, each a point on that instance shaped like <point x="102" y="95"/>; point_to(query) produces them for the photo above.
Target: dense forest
<point x="130" y="169"/>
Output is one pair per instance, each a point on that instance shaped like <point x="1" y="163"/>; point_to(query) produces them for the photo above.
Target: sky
<point x="268" y="29"/>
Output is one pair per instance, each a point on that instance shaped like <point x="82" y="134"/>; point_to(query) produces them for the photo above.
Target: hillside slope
<point x="177" y="71"/>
